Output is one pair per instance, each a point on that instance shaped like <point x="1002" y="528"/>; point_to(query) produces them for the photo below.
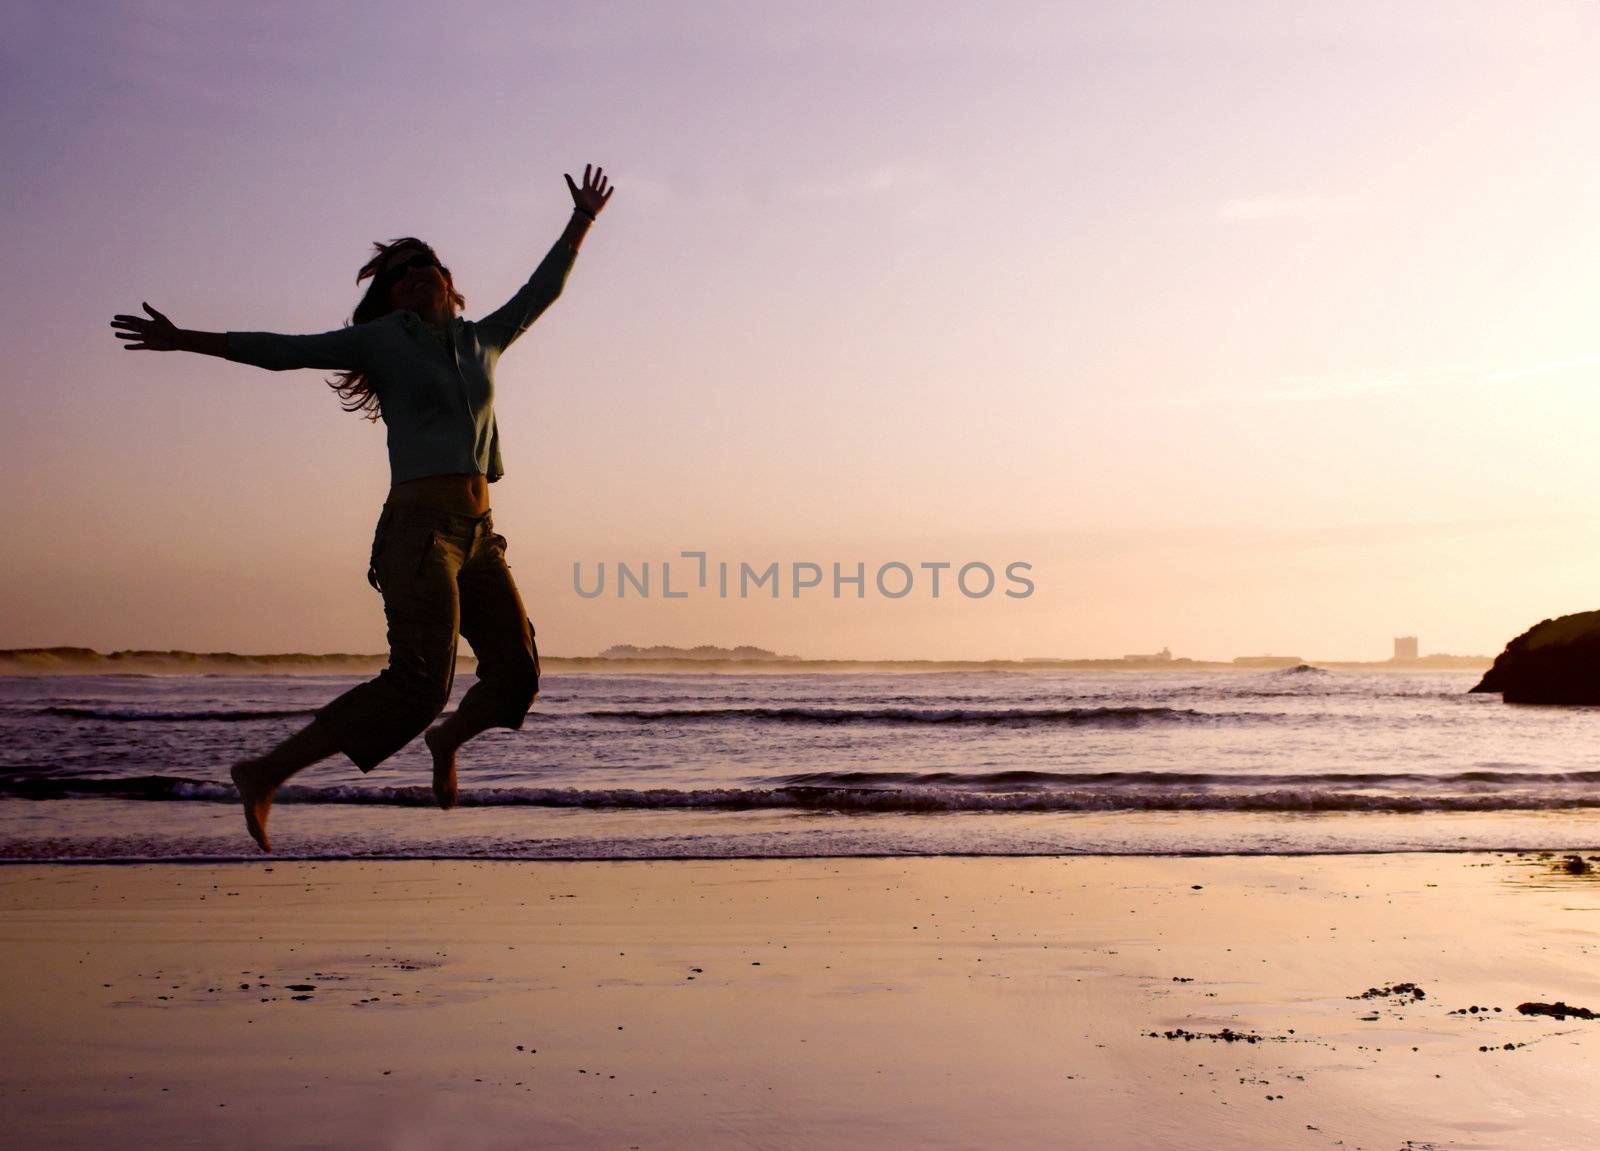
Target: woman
<point x="409" y="359"/>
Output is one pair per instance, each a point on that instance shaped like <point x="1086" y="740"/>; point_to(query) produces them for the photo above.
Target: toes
<point x="255" y="811"/>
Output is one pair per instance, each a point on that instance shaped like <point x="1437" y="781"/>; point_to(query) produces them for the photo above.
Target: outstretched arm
<point x="339" y="350"/>
<point x="503" y="325"/>
<point x="156" y="333"/>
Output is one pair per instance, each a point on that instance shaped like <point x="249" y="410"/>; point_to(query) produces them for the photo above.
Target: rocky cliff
<point x="1554" y="661"/>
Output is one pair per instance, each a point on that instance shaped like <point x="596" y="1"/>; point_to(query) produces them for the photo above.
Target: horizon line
<point x="669" y="654"/>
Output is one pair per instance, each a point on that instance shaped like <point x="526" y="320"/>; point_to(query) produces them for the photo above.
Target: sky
<point x="1253" y="326"/>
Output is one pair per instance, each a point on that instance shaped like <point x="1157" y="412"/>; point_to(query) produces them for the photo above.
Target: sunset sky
<point x="1252" y="325"/>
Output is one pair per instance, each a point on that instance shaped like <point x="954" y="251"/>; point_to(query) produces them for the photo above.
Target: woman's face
<point x="416" y="282"/>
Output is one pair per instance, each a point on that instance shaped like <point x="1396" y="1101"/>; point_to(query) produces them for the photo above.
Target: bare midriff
<point x="465" y="493"/>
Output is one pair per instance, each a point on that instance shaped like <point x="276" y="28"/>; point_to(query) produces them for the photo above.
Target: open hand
<point x="590" y="198"/>
<point x="155" y="333"/>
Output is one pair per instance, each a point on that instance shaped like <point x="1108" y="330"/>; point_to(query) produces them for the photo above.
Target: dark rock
<point x="1555" y="661"/>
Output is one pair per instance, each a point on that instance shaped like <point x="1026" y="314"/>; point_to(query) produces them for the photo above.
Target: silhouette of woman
<point x="409" y="359"/>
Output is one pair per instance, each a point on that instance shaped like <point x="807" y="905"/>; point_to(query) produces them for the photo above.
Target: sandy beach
<point x="802" y="1003"/>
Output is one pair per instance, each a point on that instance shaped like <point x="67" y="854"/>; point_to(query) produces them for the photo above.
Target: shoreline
<point x="130" y="831"/>
<point x="26" y="663"/>
<point x="1531" y="854"/>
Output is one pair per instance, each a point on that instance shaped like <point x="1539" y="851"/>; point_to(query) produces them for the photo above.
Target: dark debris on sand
<point x="1226" y="1035"/>
<point x="1557" y="1010"/>
<point x="1397" y="991"/>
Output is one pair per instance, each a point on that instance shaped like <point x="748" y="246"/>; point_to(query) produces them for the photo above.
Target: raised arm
<point x="338" y="350"/>
<point x="503" y="325"/>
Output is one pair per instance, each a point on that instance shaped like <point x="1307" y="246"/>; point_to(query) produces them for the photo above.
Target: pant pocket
<point x="401" y="553"/>
<point x="377" y="549"/>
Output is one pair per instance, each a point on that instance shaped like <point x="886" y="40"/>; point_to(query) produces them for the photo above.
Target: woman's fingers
<point x="141" y="325"/>
<point x="142" y="333"/>
<point x="596" y="189"/>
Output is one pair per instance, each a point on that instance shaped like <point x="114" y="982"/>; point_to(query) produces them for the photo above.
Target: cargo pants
<point x="443" y="575"/>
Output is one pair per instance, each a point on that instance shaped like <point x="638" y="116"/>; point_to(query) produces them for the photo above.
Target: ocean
<point x="627" y="766"/>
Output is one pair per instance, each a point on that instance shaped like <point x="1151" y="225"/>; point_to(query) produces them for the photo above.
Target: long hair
<point x="355" y="390"/>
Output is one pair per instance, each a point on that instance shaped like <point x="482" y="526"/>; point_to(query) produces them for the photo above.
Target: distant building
<point x="1162" y="656"/>
<point x="1405" y="647"/>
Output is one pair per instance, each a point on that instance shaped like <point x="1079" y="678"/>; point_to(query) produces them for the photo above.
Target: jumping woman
<point x="408" y="358"/>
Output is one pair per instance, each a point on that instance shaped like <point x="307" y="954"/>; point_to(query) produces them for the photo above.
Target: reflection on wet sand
<point x="1221" y="1001"/>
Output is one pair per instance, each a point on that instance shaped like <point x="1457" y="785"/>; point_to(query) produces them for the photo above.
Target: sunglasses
<point x="420" y="260"/>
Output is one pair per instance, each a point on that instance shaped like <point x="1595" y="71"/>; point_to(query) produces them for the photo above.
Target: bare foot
<point x="444" y="770"/>
<point x="257" y="802"/>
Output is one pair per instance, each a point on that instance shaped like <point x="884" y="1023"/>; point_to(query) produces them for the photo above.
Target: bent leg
<point x="373" y="720"/>
<point x="495" y="623"/>
<point x="258" y="780"/>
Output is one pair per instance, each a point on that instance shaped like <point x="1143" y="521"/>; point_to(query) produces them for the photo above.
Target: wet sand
<point x="1044" y="1002"/>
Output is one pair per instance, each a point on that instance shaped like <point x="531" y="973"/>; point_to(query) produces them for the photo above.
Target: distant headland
<point x="702" y="652"/>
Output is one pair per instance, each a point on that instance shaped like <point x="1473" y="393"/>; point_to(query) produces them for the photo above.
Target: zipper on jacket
<point x="466" y="395"/>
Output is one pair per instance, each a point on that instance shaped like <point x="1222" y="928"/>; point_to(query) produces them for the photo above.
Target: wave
<point x="1072" y="716"/>
<point x="1120" y="715"/>
<point x="1117" y="716"/>
<point x="1025" y="778"/>
<point x="844" y="800"/>
<point x="138" y="715"/>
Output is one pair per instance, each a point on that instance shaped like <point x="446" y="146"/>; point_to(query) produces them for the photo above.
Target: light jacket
<point x="438" y="402"/>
